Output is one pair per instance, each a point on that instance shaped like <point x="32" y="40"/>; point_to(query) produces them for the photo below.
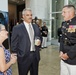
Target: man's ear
<point x="22" y="16"/>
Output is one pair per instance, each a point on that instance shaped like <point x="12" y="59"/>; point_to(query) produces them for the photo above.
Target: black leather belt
<point x="32" y="51"/>
<point x="69" y="44"/>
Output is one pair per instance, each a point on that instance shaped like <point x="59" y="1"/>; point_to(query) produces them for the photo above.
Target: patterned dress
<point x="7" y="58"/>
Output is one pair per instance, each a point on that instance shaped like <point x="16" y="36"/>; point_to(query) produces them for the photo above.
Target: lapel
<point x="25" y="30"/>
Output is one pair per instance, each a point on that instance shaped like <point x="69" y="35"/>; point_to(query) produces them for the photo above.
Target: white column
<point x="4" y="5"/>
<point x="66" y="2"/>
<point x="50" y="19"/>
<point x="39" y="8"/>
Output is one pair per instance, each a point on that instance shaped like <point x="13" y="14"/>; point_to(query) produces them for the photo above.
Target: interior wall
<point x="19" y="12"/>
<point x="4" y="5"/>
<point x="12" y="11"/>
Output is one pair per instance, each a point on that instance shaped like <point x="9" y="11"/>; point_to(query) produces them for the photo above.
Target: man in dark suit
<point x="24" y="44"/>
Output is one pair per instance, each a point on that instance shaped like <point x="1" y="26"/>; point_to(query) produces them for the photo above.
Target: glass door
<point x="57" y="6"/>
<point x="56" y="23"/>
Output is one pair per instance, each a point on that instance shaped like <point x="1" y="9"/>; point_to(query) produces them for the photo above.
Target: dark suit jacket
<point x="20" y="42"/>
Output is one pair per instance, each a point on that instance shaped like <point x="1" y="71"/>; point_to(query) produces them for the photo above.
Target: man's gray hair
<point x="24" y="10"/>
<point x="70" y="6"/>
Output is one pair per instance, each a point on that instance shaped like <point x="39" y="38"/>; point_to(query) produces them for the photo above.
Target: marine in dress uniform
<point x="68" y="41"/>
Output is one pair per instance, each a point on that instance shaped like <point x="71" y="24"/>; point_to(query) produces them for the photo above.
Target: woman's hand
<point x="13" y="58"/>
<point x="5" y="73"/>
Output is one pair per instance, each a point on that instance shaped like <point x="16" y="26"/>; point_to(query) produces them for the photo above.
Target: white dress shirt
<point x="32" y="40"/>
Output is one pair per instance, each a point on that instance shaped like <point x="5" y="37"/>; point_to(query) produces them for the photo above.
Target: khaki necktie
<point x="31" y="38"/>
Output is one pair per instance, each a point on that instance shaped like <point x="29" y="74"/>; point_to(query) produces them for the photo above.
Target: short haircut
<point x="24" y="10"/>
<point x="69" y="6"/>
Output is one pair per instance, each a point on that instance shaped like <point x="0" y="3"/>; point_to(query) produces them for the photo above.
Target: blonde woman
<point x="6" y="59"/>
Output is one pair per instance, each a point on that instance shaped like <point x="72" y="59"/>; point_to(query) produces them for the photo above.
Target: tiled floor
<point x="49" y="63"/>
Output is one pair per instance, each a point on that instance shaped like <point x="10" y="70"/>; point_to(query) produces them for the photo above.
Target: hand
<point x="13" y="58"/>
<point x="64" y="56"/>
<point x="37" y="42"/>
<point x="61" y="53"/>
<point x="5" y="73"/>
<point x="44" y="32"/>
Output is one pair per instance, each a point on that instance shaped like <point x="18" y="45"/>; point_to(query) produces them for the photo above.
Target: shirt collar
<point x="26" y="23"/>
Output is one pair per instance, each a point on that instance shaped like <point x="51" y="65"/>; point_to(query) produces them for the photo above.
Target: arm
<point x="72" y="52"/>
<point x="3" y="65"/>
<point x="40" y="38"/>
<point x="47" y="30"/>
<point x="14" y="40"/>
<point x="38" y="34"/>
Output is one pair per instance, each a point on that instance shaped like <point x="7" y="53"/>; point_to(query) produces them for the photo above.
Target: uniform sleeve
<point x="61" y="39"/>
<point x="61" y="43"/>
<point x="14" y="40"/>
<point x="72" y="52"/>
